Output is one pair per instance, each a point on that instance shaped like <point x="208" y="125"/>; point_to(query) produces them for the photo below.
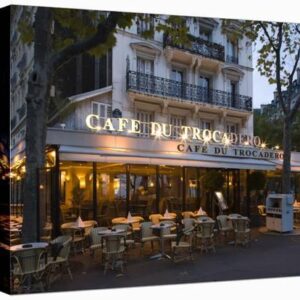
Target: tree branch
<point x="268" y="35"/>
<point x="285" y="109"/>
<point x="104" y="29"/>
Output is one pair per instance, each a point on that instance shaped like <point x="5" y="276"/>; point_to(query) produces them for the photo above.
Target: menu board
<point x="221" y="201"/>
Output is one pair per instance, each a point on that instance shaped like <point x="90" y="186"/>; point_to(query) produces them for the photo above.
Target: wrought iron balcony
<point x="199" y="46"/>
<point x="21" y="111"/>
<point x="13" y="122"/>
<point x="162" y="87"/>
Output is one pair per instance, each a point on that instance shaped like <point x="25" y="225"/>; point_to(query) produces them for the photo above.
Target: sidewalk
<point x="268" y="256"/>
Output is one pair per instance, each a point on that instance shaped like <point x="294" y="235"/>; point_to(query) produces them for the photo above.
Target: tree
<point x="263" y="122"/>
<point x="82" y="31"/>
<point x="278" y="46"/>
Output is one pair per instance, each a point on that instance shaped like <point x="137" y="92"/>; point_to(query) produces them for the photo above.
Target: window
<point x="146" y="24"/>
<point x="205" y="33"/>
<point x="233" y="90"/>
<point x="177" y="122"/>
<point x="83" y="73"/>
<point x="206" y="124"/>
<point x="203" y="90"/>
<point x="232" y="128"/>
<point x="145" y="117"/>
<point x="177" y="83"/>
<point x="103" y="111"/>
<point x="232" y="51"/>
<point x="145" y="66"/>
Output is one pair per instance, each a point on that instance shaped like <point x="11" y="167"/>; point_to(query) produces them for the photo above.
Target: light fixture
<point x="82" y="183"/>
<point x="246" y="143"/>
<point x="277" y="147"/>
<point x="263" y="145"/>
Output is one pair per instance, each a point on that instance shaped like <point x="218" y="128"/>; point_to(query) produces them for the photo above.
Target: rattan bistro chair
<point x="96" y="239"/>
<point x="182" y="248"/>
<point x="205" y="236"/>
<point x="60" y="249"/>
<point x="114" y="252"/>
<point x="147" y="235"/>
<point x="28" y="267"/>
<point x="224" y="226"/>
<point x="241" y="228"/>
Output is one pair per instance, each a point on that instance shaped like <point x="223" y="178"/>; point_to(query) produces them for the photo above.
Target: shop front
<point x="102" y="174"/>
<point x="107" y="172"/>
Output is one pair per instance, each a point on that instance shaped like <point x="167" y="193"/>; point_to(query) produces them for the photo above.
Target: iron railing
<point x="22" y="111"/>
<point x="162" y="87"/>
<point x="198" y="46"/>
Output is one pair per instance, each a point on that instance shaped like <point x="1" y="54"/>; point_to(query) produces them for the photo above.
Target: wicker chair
<point x="205" y="235"/>
<point x="59" y="258"/>
<point x="183" y="248"/>
<point x="155" y="218"/>
<point x="77" y="234"/>
<point x="225" y="226"/>
<point x="241" y="228"/>
<point x="187" y="214"/>
<point x="127" y="234"/>
<point x="114" y="252"/>
<point x="147" y="235"/>
<point x="96" y="239"/>
<point x="28" y="267"/>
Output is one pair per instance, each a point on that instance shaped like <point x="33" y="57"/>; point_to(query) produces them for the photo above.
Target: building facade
<point x="148" y="127"/>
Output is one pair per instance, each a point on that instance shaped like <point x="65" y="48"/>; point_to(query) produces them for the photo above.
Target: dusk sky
<point x="262" y="90"/>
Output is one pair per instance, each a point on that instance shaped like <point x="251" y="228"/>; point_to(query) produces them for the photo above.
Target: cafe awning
<point x="71" y="153"/>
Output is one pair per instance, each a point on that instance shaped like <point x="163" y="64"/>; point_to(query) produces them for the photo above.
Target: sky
<point x="262" y="90"/>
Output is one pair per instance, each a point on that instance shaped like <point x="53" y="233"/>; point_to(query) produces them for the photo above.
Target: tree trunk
<point x="286" y="168"/>
<point x="35" y="138"/>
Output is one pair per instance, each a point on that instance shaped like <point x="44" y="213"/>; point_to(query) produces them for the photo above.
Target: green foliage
<point x="274" y="42"/>
<point x="257" y="181"/>
<point x="213" y="180"/>
<point x="270" y="129"/>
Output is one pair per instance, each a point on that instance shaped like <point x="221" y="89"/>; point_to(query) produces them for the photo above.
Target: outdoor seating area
<point x="174" y="237"/>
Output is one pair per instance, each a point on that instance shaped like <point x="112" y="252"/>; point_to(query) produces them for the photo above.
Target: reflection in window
<point x="171" y="188"/>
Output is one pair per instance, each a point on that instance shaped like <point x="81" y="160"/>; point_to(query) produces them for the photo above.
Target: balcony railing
<point x="199" y="46"/>
<point x="21" y="111"/>
<point x="232" y="59"/>
<point x="13" y="122"/>
<point x="162" y="87"/>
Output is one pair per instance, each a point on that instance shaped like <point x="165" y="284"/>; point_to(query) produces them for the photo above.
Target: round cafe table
<point x="28" y="246"/>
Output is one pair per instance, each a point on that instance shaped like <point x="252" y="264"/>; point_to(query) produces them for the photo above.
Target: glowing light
<point x="158" y="133"/>
<point x="246" y="143"/>
<point x="184" y="136"/>
<point x="226" y="141"/>
<point x="263" y="145"/>
<point x="277" y="147"/>
<point x="206" y="139"/>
